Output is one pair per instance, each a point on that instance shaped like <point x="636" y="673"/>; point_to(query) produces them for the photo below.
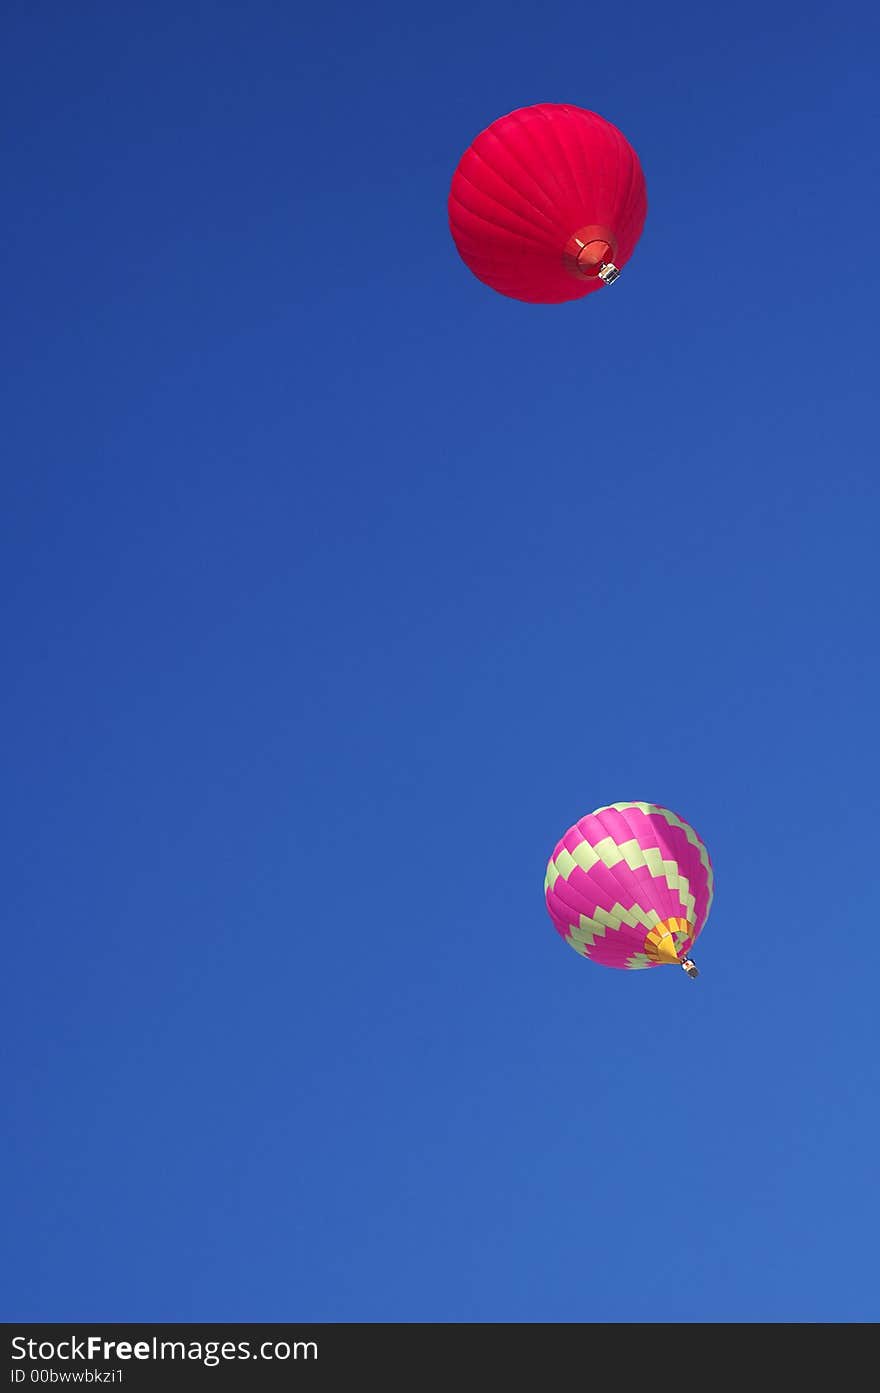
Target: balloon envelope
<point x="544" y="199"/>
<point x="630" y="886"/>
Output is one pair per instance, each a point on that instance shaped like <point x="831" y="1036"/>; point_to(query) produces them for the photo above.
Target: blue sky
<point x="336" y="586"/>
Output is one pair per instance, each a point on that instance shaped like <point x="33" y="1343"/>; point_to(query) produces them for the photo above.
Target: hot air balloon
<point x="548" y="203"/>
<point x="630" y="886"/>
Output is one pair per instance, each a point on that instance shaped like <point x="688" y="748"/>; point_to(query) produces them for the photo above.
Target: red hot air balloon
<point x="548" y="203"/>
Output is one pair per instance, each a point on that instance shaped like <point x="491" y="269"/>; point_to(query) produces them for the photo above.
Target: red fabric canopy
<point x="545" y="198"/>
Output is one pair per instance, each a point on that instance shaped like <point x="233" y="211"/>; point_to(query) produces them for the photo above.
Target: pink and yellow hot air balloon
<point x="630" y="886"/>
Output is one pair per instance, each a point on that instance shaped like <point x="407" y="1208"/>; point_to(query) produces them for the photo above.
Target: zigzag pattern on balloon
<point x="636" y="857"/>
<point x="619" y="873"/>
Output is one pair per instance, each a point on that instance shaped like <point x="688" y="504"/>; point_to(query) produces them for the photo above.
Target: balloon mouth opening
<point x="593" y="255"/>
<point x="663" y="944"/>
<point x="588" y="251"/>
